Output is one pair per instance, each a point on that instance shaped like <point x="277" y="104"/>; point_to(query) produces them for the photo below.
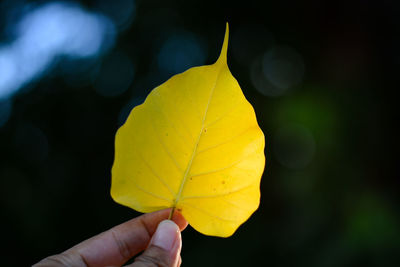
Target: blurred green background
<point x="321" y="75"/>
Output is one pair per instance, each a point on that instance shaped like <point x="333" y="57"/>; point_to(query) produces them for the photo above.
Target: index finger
<point x="119" y="244"/>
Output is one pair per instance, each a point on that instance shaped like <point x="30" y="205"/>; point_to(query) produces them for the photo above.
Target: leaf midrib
<point x="189" y="166"/>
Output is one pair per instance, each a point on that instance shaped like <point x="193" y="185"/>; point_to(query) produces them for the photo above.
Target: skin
<point x="119" y="244"/>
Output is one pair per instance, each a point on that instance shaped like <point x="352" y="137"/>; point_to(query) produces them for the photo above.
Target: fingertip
<point x="166" y="235"/>
<point x="178" y="218"/>
<point x="154" y="218"/>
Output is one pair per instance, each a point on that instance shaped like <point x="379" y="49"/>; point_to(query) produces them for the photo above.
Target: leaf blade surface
<point x="193" y="145"/>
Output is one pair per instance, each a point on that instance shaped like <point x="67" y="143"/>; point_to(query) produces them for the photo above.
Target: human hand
<point x="160" y="238"/>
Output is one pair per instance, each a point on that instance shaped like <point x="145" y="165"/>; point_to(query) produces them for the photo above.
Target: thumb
<point x="164" y="248"/>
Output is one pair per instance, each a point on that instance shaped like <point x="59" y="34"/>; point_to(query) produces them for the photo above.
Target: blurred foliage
<point x="326" y="102"/>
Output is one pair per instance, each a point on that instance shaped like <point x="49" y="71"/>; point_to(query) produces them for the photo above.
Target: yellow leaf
<point x="193" y="145"/>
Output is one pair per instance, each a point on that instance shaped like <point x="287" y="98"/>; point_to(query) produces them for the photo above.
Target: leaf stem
<point x="171" y="214"/>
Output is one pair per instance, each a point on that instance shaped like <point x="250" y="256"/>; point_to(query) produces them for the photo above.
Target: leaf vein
<point x="208" y="213"/>
<point x="164" y="147"/>
<point x="166" y="116"/>
<point x="156" y="175"/>
<point x="185" y="176"/>
<point x="220" y="117"/>
<point x="218" y="195"/>
<point x="149" y="193"/>
<point x="226" y="141"/>
<point x="222" y="168"/>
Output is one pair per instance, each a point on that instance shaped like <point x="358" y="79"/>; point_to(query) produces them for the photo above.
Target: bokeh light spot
<point x="63" y="28"/>
<point x="261" y="83"/>
<point x="294" y="146"/>
<point x="249" y="41"/>
<point x="46" y="32"/>
<point x="372" y="223"/>
<point x="8" y="73"/>
<point x="115" y="75"/>
<point x="122" y="12"/>
<point x="283" y="67"/>
<point x="180" y="52"/>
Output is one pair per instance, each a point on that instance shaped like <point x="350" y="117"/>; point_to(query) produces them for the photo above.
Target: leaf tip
<point x="223" y="56"/>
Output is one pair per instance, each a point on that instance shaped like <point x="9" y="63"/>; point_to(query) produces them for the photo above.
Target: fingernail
<point x="166" y="235"/>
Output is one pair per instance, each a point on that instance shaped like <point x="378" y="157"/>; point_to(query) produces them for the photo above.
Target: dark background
<point x="321" y="75"/>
